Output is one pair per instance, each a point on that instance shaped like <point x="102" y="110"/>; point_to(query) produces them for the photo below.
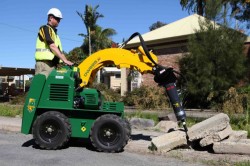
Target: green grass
<point x="11" y="110"/>
<point x="190" y="121"/>
<point x="243" y="163"/>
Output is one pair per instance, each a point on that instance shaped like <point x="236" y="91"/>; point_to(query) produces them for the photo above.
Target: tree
<point x="76" y="55"/>
<point x="156" y="25"/>
<point x="215" y="62"/>
<point x="90" y="18"/>
<point x="239" y="9"/>
<point x="195" y="6"/>
<point x="101" y="39"/>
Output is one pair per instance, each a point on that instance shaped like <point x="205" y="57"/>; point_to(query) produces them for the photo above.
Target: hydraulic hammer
<point x="165" y="77"/>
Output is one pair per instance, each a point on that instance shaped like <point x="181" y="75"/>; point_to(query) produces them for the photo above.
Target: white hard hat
<point x="55" y="12"/>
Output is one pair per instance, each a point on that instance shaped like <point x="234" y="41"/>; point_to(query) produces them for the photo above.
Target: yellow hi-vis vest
<point x="43" y="51"/>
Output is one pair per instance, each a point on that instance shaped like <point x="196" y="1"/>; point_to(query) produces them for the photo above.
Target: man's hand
<point x="67" y="62"/>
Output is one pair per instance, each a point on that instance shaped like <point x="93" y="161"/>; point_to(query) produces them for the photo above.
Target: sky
<point x="21" y="19"/>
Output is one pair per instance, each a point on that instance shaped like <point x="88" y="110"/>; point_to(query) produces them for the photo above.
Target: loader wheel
<point x="51" y="130"/>
<point x="109" y="133"/>
<point x="128" y="126"/>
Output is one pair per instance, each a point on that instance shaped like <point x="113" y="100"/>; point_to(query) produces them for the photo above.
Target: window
<point x="117" y="75"/>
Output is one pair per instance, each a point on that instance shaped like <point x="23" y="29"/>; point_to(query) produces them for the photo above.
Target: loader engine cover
<point x="88" y="99"/>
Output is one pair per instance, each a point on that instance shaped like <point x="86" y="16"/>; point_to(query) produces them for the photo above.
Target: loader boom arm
<point x="121" y="58"/>
<point x="141" y="60"/>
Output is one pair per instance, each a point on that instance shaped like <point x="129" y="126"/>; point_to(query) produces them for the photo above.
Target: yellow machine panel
<point x="121" y="58"/>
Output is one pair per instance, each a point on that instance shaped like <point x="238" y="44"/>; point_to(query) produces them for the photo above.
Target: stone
<point x="216" y="137"/>
<point x="232" y="147"/>
<point x="169" y="141"/>
<point x="208" y="127"/>
<point x="237" y="135"/>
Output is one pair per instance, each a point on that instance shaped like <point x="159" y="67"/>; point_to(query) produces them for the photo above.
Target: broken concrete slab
<point x="138" y="145"/>
<point x="216" y="137"/>
<point x="208" y="127"/>
<point x="232" y="147"/>
<point x="166" y="126"/>
<point x="169" y="141"/>
<point x="237" y="135"/>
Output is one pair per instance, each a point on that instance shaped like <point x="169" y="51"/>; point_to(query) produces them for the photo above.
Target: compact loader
<point x="62" y="106"/>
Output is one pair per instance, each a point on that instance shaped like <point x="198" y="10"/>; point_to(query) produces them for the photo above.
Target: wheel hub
<point x="49" y="129"/>
<point x="108" y="133"/>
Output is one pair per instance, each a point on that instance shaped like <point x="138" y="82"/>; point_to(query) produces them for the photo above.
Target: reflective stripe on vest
<point x="43" y="51"/>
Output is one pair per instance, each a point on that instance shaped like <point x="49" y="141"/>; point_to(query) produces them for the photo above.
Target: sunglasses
<point x="57" y="19"/>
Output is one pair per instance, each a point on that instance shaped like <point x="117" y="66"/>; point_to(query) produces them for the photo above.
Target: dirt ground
<point x="209" y="158"/>
<point x="204" y="156"/>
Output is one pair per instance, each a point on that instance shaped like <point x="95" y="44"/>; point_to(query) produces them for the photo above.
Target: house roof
<point x="11" y="71"/>
<point x="177" y="30"/>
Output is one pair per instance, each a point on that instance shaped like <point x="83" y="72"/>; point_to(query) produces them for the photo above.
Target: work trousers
<point x="44" y="67"/>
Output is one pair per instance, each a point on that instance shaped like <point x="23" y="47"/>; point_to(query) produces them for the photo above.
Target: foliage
<point x="233" y="102"/>
<point x="194" y="6"/>
<point x="109" y="94"/>
<point x="76" y="56"/>
<point x="239" y="9"/>
<point x="97" y="38"/>
<point x="156" y="25"/>
<point x="100" y="39"/>
<point x="146" y="97"/>
<point x="19" y="99"/>
<point x="215" y="63"/>
<point x="89" y="19"/>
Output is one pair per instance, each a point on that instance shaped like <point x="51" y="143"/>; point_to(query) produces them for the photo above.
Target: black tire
<point x="128" y="126"/>
<point x="51" y="130"/>
<point x="109" y="133"/>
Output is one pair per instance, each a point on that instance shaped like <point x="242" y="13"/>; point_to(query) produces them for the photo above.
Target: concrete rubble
<point x="216" y="137"/>
<point x="169" y="141"/>
<point x="241" y="146"/>
<point x="208" y="127"/>
<point x="215" y="132"/>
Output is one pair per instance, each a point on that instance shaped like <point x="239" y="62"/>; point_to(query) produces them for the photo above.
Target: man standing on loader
<point x="48" y="45"/>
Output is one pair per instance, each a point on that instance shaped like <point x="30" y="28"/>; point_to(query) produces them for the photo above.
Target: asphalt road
<point x="20" y="150"/>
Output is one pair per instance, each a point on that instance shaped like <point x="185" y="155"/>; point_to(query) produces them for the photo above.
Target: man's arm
<point x="53" y="47"/>
<point x="59" y="54"/>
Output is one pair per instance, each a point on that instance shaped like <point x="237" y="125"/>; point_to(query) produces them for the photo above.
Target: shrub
<point x="109" y="94"/>
<point x="233" y="102"/>
<point x="146" y="97"/>
<point x="20" y="99"/>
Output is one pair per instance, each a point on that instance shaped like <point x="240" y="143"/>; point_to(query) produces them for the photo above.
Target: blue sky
<point x="21" y="19"/>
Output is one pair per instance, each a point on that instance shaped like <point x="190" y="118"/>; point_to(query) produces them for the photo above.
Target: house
<point x="169" y="42"/>
<point x="12" y="80"/>
<point x="111" y="76"/>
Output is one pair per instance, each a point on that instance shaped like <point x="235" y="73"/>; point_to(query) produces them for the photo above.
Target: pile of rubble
<point x="215" y="132"/>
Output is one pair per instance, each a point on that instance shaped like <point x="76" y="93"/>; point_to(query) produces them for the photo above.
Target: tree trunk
<point x="89" y="41"/>
<point x="200" y="7"/>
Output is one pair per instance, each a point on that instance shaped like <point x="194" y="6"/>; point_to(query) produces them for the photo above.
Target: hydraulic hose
<point x="165" y="77"/>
